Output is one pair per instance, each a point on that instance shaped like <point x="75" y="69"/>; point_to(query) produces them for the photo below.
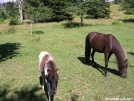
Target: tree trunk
<point x="31" y="32"/>
<point x="20" y="11"/>
<point x="81" y="17"/>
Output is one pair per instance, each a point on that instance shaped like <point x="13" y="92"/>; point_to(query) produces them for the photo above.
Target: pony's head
<point x="53" y="79"/>
<point x="123" y="70"/>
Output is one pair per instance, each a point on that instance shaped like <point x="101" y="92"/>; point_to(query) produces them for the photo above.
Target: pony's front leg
<point x="106" y="64"/>
<point x="43" y="82"/>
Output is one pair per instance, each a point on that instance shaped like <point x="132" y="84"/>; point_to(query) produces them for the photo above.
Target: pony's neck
<point x="119" y="53"/>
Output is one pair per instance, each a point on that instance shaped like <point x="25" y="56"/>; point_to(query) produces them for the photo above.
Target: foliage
<point x="11" y="10"/>
<point x="2" y="15"/>
<point x="116" y="23"/>
<point x="14" y="21"/>
<point x="60" y="10"/>
<point x="97" y="9"/>
<point x="128" y="5"/>
<point x="36" y="11"/>
<point x="118" y="1"/>
<point x="43" y="11"/>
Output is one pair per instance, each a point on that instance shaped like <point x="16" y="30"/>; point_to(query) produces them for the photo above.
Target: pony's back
<point x="43" y="58"/>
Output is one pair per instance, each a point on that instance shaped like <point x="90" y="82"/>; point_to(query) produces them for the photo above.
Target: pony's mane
<point x="117" y="44"/>
<point x="118" y="51"/>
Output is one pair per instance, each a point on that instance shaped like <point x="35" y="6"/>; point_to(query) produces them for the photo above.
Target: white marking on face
<point x="45" y="70"/>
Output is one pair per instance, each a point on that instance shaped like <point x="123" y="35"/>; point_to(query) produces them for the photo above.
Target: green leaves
<point x="48" y="10"/>
<point x="2" y="15"/>
<point x="36" y="11"/>
<point x="98" y="9"/>
<point x="128" y="5"/>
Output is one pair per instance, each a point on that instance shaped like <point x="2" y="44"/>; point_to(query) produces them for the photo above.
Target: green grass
<point x="19" y="73"/>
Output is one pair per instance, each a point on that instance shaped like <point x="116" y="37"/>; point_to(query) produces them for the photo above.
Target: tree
<point x="118" y="1"/>
<point x="128" y="5"/>
<point x="60" y="10"/>
<point x="2" y="15"/>
<point x="20" y="6"/>
<point x="11" y="10"/>
<point x="81" y="11"/>
<point x="97" y="9"/>
<point x="36" y="11"/>
<point x="91" y="9"/>
<point x="46" y="10"/>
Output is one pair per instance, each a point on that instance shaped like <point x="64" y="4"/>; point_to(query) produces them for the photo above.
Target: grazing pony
<point x="107" y="44"/>
<point x="48" y="69"/>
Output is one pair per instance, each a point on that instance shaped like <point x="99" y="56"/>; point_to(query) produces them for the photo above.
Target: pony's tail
<point x="87" y="49"/>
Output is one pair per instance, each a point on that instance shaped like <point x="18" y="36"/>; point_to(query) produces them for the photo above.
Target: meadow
<point x="19" y="50"/>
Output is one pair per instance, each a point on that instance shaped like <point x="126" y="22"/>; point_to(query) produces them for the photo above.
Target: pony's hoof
<point x="42" y="87"/>
<point x="107" y="76"/>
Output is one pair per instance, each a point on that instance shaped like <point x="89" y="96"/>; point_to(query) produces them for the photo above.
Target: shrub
<point x="14" y="22"/>
<point x="116" y="22"/>
<point x="2" y="16"/>
<point x="97" y="9"/>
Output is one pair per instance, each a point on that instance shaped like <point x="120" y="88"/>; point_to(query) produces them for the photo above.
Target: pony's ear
<point x="57" y="70"/>
<point x="126" y="61"/>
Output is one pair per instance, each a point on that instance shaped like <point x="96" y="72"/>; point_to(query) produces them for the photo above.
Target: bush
<point x="14" y="22"/>
<point x="2" y="16"/>
<point x="1" y="20"/>
<point x="116" y="22"/>
<point x="128" y="6"/>
<point x="97" y="9"/>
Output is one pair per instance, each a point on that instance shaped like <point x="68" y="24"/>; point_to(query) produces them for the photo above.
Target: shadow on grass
<point x="74" y="97"/>
<point x="8" y="51"/>
<point x="38" y="32"/>
<point x="130" y="20"/>
<point x="25" y="94"/>
<point x="131" y="53"/>
<point x="99" y="67"/>
<point x="74" y="24"/>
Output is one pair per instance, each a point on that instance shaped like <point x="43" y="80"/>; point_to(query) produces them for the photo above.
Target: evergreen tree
<point x="98" y="9"/>
<point x="60" y="10"/>
<point x="2" y="15"/>
<point x="46" y="10"/>
<point x="36" y="11"/>
<point x="128" y="5"/>
<point x="11" y="10"/>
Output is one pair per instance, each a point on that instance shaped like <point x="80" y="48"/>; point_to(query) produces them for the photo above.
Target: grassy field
<point x="19" y="73"/>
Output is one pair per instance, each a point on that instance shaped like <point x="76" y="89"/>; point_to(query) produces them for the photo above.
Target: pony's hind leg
<point x="87" y="54"/>
<point x="92" y="55"/>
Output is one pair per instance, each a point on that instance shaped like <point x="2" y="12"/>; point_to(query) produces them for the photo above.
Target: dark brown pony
<point x="49" y="70"/>
<point x="107" y="44"/>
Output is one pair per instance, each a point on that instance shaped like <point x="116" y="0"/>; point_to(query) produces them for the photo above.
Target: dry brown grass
<point x="116" y="12"/>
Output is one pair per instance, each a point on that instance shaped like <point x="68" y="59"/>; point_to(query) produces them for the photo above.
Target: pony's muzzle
<point x="123" y="76"/>
<point x="54" y="91"/>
